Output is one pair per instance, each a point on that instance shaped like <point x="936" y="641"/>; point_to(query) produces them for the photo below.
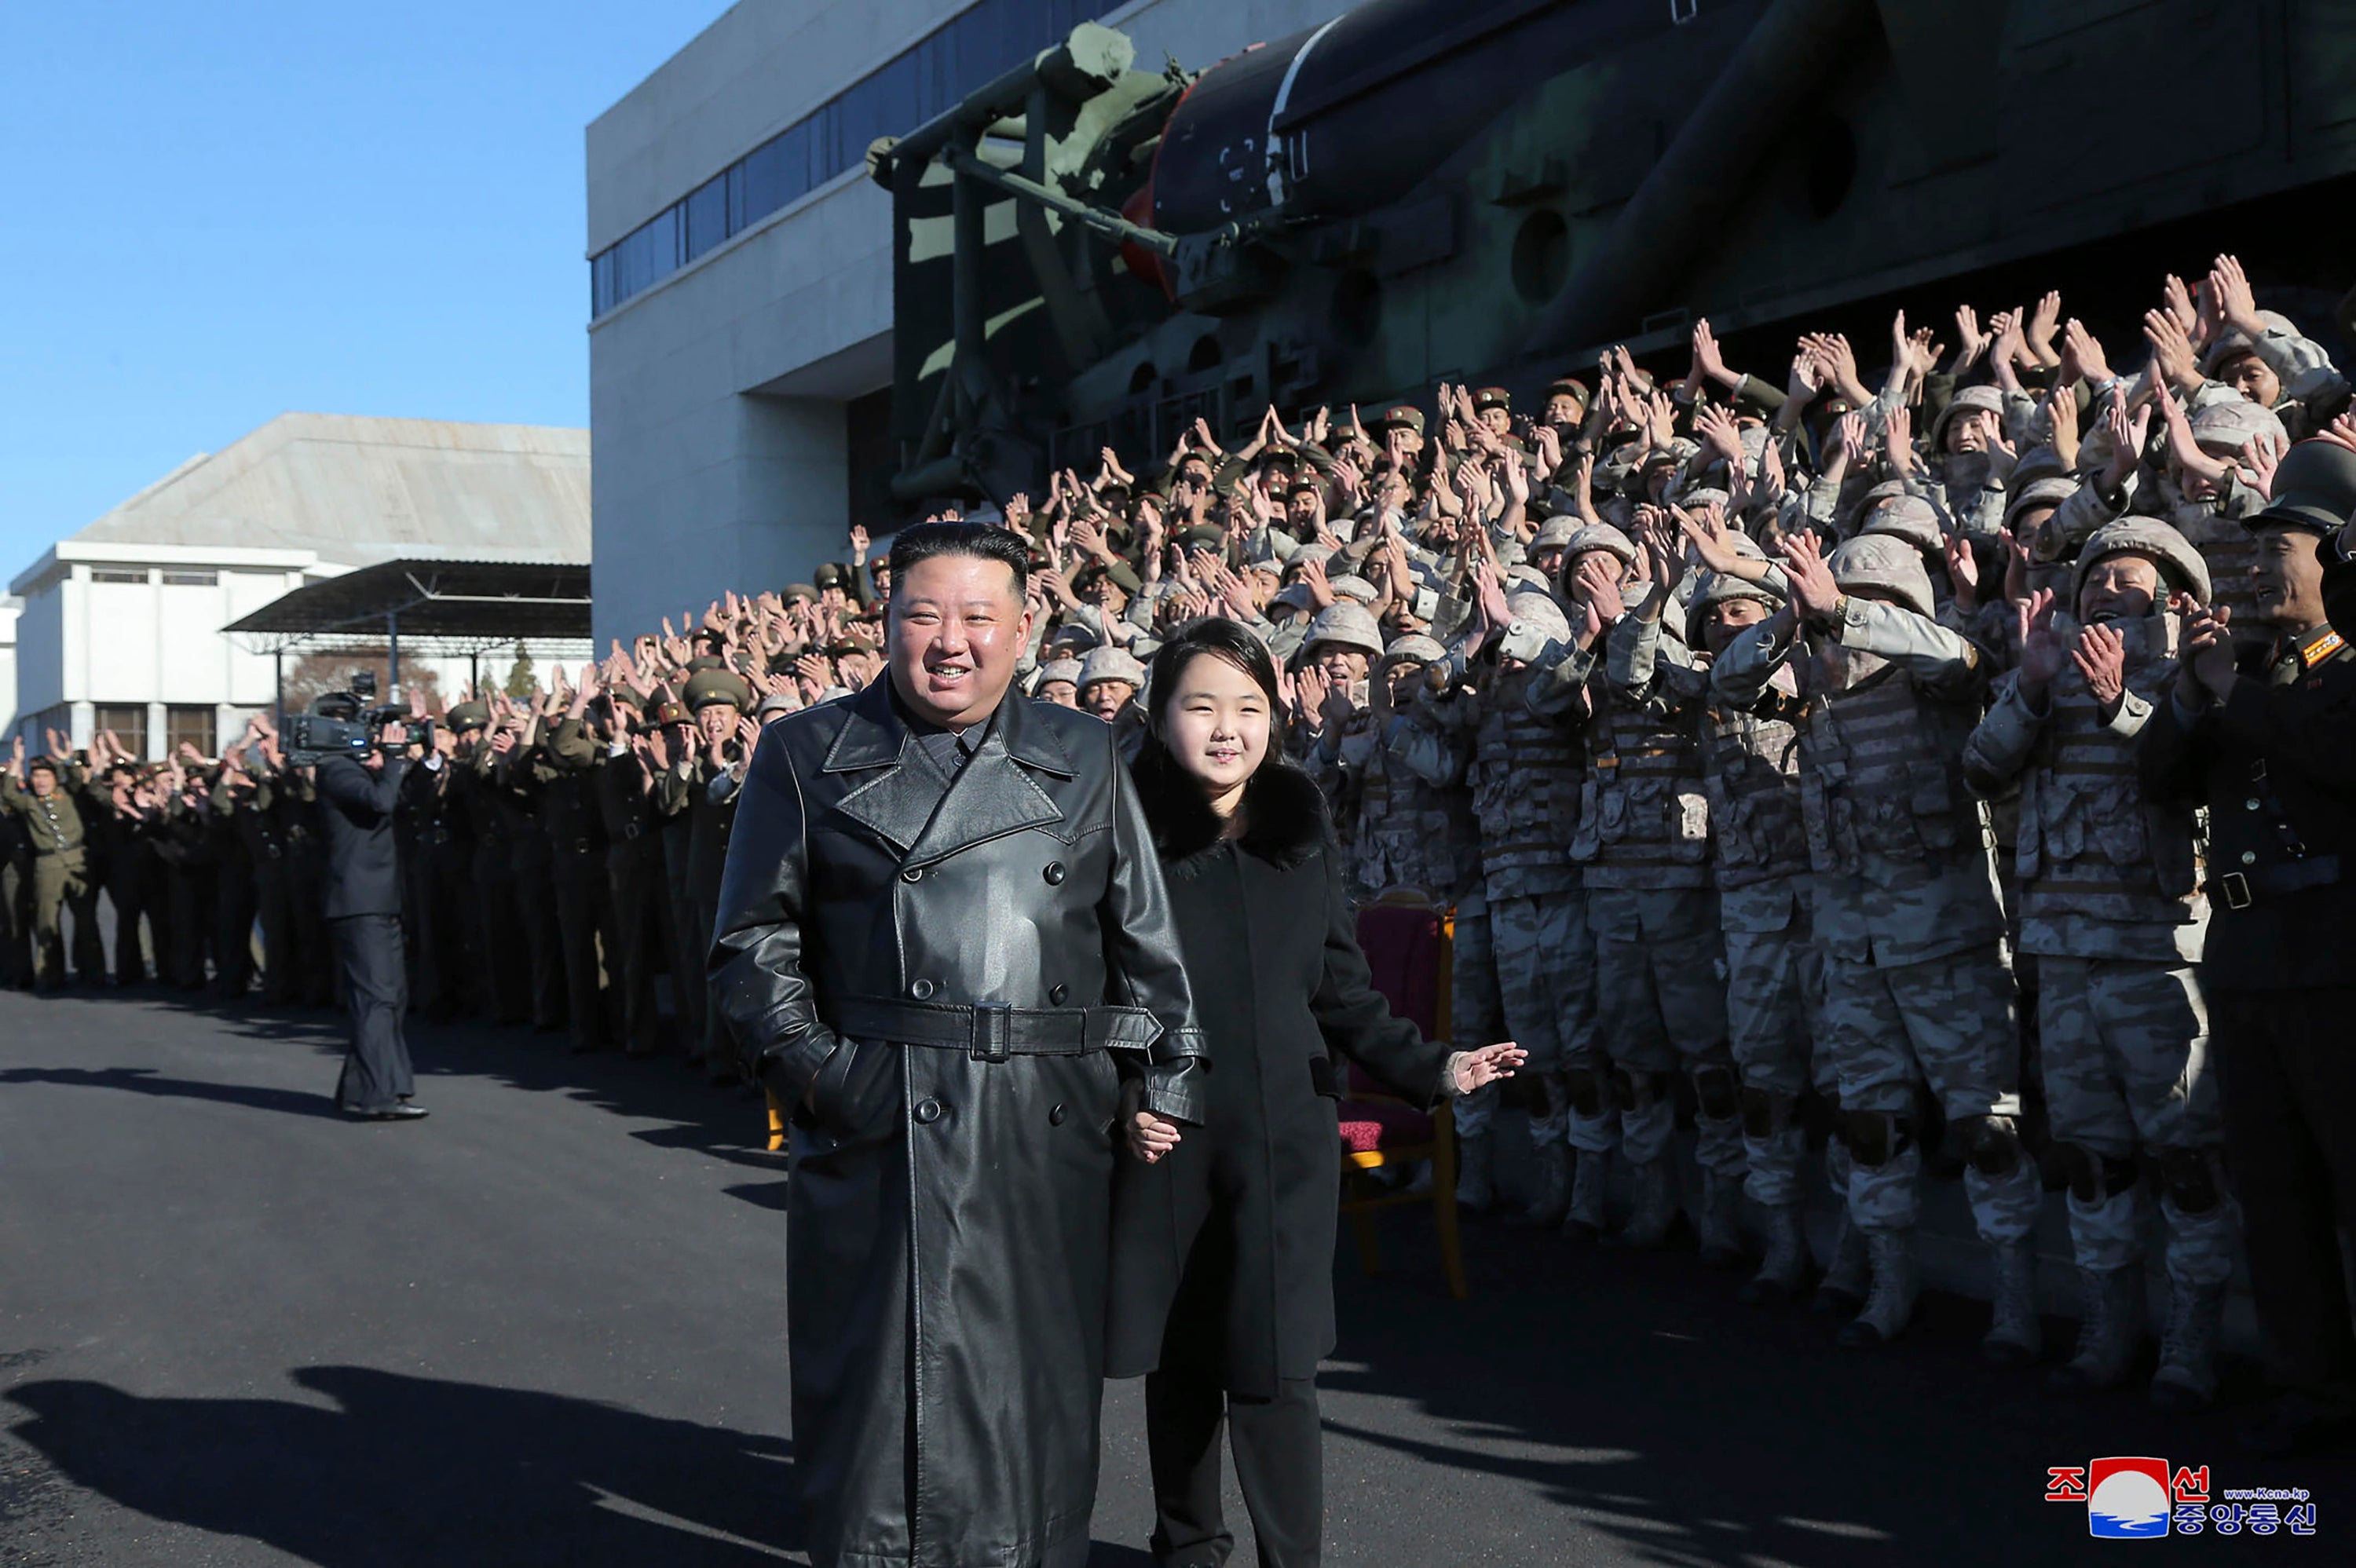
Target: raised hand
<point x="1898" y="436"/>
<point x="2082" y="355"/>
<point x="2237" y="306"/>
<point x="1963" y="571"/>
<point x="2043" y="321"/>
<point x="1815" y="593"/>
<point x="1475" y="1069"/>
<point x="2044" y="649"/>
<point x="2061" y="422"/>
<point x="2101" y="656"/>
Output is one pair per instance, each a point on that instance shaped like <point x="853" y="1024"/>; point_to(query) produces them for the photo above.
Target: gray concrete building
<point x="740" y="260"/>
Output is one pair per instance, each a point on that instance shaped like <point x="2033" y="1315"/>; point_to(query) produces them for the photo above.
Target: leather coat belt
<point x="991" y="1031"/>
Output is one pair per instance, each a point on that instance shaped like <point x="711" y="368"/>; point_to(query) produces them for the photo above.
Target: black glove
<point x="856" y="1095"/>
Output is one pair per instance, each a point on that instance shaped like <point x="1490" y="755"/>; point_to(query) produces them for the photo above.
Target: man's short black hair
<point x="983" y="541"/>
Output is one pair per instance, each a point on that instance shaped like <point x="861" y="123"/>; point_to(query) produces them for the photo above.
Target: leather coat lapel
<point x="993" y="795"/>
<point x="897" y="802"/>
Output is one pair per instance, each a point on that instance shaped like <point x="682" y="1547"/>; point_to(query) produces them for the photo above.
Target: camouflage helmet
<point x="1539" y="628"/>
<point x="1886" y="564"/>
<point x="1717" y="587"/>
<point x="2037" y="492"/>
<point x="1984" y="398"/>
<point x="706" y="686"/>
<point x="1908" y="517"/>
<point x="1526" y="579"/>
<point x="2232" y="342"/>
<point x="1347" y="624"/>
<point x="1555" y="533"/>
<point x="1414" y="648"/>
<point x="2181" y="567"/>
<point x="1066" y="670"/>
<point x="1109" y="663"/>
<point x="2222" y="427"/>
<point x="1597" y="535"/>
<point x="1351" y="586"/>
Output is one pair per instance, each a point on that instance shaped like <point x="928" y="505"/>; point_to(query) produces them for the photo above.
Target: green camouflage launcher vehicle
<point x="1086" y="254"/>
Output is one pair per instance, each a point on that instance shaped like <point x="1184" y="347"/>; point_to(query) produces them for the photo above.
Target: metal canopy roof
<point x="484" y="602"/>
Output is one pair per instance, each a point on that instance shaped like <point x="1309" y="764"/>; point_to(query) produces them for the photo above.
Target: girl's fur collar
<point x="1285" y="813"/>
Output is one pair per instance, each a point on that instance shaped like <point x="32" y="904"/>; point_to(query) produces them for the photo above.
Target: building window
<point x="192" y="580"/>
<point x="189" y="724"/>
<point x="967" y="51"/>
<point x="119" y="574"/>
<point x="129" y="722"/>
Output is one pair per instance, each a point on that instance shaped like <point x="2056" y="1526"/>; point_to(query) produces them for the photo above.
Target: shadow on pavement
<point x="396" y="1471"/>
<point x="147" y="1081"/>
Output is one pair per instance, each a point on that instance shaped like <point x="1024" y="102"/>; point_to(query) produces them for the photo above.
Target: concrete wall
<point x="10" y="607"/>
<point x="715" y="396"/>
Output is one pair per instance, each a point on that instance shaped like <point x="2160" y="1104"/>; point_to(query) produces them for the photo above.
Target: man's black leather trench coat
<point x="949" y="1213"/>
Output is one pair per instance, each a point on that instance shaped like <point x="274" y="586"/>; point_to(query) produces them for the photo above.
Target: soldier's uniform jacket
<point x="1643" y="818"/>
<point x="1415" y="822"/>
<point x="568" y="808"/>
<point x="52" y="822"/>
<point x="2105" y="872"/>
<point x="2276" y="764"/>
<point x="1896" y="837"/>
<point x="1525" y="786"/>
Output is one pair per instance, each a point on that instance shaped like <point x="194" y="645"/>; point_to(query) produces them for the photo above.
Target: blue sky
<point x="217" y="213"/>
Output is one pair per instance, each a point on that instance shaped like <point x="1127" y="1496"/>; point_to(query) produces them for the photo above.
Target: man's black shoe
<point x="401" y="1112"/>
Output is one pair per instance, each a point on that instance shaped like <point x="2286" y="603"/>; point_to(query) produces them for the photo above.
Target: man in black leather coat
<point x="363" y="908"/>
<point x="944" y="940"/>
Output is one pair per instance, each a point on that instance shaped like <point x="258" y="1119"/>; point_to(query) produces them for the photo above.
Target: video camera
<point x="347" y="723"/>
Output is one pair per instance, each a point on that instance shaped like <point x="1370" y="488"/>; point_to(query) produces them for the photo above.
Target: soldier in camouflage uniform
<point x="1917" y="986"/>
<point x="1643" y="848"/>
<point x="2111" y="912"/>
<point x="1775" y="980"/>
<point x="1524" y="778"/>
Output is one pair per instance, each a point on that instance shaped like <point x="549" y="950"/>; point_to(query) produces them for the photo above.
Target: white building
<point x="740" y="345"/>
<point x="121" y="625"/>
<point x="10" y="606"/>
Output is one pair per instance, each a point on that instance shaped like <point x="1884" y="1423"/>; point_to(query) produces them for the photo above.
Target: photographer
<point x="358" y="793"/>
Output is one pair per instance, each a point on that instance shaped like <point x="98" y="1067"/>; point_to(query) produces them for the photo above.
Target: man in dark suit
<point x="363" y="908"/>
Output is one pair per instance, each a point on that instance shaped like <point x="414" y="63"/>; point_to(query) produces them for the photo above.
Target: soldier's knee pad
<point x="1589" y="1093"/>
<point x="2190" y="1179"/>
<point x="1765" y="1113"/>
<point x="1877" y="1137"/>
<point x="2094" y="1177"/>
<point x="1638" y="1090"/>
<point x="1991" y="1144"/>
<point x="1717" y="1091"/>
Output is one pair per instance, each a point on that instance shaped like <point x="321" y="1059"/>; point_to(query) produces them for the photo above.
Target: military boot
<point x="1476" y="1166"/>
<point x="1783" y="1272"/>
<point x="1842" y="1290"/>
<point x="1655" y="1211"/>
<point x="2110" y="1336"/>
<point x="1590" y="1188"/>
<point x="1887" y="1310"/>
<point x="1553" y="1198"/>
<point x="2014" y="1336"/>
<point x="1720" y="1221"/>
<point x="2186" y="1379"/>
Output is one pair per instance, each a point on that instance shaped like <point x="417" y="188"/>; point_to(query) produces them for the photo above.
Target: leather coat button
<point x="921" y="989"/>
<point x="1056" y="1117"/>
<point x="913" y="874"/>
<point x="929" y="1111"/>
<point x="1053" y="873"/>
<point x="1056" y="994"/>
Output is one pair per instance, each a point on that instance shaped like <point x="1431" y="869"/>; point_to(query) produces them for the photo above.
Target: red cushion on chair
<point x="1403" y="948"/>
<point x="1373" y="1127"/>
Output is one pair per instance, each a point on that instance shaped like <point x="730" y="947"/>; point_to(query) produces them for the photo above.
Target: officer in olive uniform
<point x="2270" y="749"/>
<point x="494" y="923"/>
<point x="717" y="698"/>
<point x="561" y="768"/>
<point x="36" y="797"/>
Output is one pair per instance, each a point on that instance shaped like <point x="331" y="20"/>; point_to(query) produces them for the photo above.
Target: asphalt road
<point x="546" y="1325"/>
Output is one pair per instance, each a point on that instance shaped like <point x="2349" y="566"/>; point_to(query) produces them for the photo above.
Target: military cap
<point x="1203" y="536"/>
<point x="1538" y="626"/>
<point x="1066" y="670"/>
<point x="1305" y="484"/>
<point x="706" y="686"/>
<point x="1704" y="495"/>
<point x="672" y="711"/>
<point x="777" y="703"/>
<point x="1414" y="648"/>
<point x="2180" y="565"/>
<point x="1279" y="457"/>
<point x="1569" y="386"/>
<point x="1489" y="398"/>
<point x="2038" y="462"/>
<point x="1351" y="586"/>
<point x="1908" y="517"/>
<point x="2222" y="427"/>
<point x="830" y="575"/>
<point x="1109" y="663"/>
<point x="1078" y="632"/>
<point x="1349" y="623"/>
<point x="2314" y="488"/>
<point x="705" y="661"/>
<point x="1890" y="565"/>
<point x="1266" y="560"/>
<point x="1304" y="554"/>
<point x="1987" y="399"/>
<point x="1294" y="596"/>
<point x="467" y="715"/>
<point x="801" y="590"/>
<point x="1399" y="414"/>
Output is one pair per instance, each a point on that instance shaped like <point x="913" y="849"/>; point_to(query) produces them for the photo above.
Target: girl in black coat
<point x="1223" y="1249"/>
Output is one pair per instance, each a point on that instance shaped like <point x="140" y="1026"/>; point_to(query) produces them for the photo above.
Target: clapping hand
<point x="1473" y="1070"/>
